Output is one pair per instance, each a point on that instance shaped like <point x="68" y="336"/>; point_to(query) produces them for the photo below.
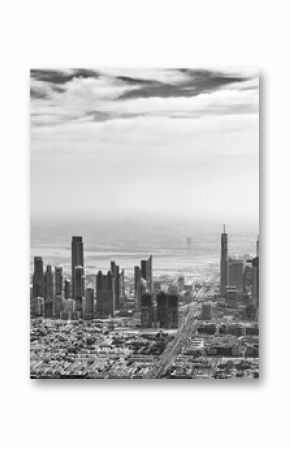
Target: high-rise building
<point x="141" y="290"/>
<point x="206" y="311"/>
<point x="48" y="292"/>
<point x="236" y="272"/>
<point x="147" y="312"/>
<point x="146" y="269"/>
<point x="224" y="262"/>
<point x="58" y="281"/>
<point x="38" y="278"/>
<point x="255" y="281"/>
<point x="37" y="307"/>
<point x="231" y="295"/>
<point x="77" y="258"/>
<point x="162" y="307"/>
<point x="89" y="304"/>
<point x="67" y="289"/>
<point x="122" y="288"/>
<point x="115" y="270"/>
<point x="58" y="305"/>
<point x="137" y="276"/>
<point x="167" y="310"/>
<point x="172" y="312"/>
<point x="105" y="287"/>
<point x="79" y="285"/>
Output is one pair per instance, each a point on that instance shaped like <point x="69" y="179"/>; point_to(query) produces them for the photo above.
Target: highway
<point x="189" y="325"/>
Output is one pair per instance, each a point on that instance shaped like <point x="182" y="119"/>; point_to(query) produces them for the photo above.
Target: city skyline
<point x="145" y="326"/>
<point x="113" y="143"/>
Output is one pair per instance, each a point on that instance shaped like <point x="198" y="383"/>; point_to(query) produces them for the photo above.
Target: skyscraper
<point x="115" y="270"/>
<point x="122" y="288"/>
<point x="58" y="281"/>
<point x="105" y="287"/>
<point x="224" y="262"/>
<point x="172" y="312"/>
<point x="255" y="280"/>
<point x="167" y="310"/>
<point x="137" y="276"/>
<point x="58" y="306"/>
<point x="38" y="278"/>
<point x="48" y="291"/>
<point x="77" y="258"/>
<point x="79" y="280"/>
<point x="141" y="290"/>
<point x="236" y="272"/>
<point x="146" y="269"/>
<point x="162" y="306"/>
<point x="89" y="308"/>
<point x="147" y="312"/>
<point x="67" y="289"/>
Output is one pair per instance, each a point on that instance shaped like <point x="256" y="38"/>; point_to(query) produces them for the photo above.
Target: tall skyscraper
<point x="115" y="270"/>
<point x="146" y="269"/>
<point x="137" y="276"/>
<point x="48" y="291"/>
<point x="38" y="278"/>
<point x="58" y="281"/>
<point x="224" y="262"/>
<point x="122" y="288"/>
<point x="77" y="258"/>
<point x="79" y="285"/>
<point x="105" y="287"/>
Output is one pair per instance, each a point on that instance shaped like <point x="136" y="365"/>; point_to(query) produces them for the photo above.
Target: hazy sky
<point x="119" y="143"/>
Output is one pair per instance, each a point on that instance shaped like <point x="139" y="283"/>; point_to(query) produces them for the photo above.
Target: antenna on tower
<point x="224" y="228"/>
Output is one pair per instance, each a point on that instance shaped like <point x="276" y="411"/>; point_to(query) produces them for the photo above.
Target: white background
<point x="139" y="414"/>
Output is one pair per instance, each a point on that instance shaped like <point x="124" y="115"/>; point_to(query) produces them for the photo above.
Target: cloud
<point x="38" y="93"/>
<point x="82" y="95"/>
<point x="62" y="76"/>
<point x="194" y="83"/>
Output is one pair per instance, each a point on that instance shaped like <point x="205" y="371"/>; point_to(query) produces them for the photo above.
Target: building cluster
<point x="54" y="296"/>
<point x="70" y="299"/>
<point x="160" y="310"/>
<point x="239" y="276"/>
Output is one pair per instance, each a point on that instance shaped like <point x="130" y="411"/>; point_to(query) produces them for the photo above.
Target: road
<point x="189" y="325"/>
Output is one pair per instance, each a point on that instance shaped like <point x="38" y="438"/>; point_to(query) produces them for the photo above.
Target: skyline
<point x="115" y="142"/>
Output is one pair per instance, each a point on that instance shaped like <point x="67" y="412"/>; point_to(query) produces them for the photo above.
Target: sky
<point x="123" y="143"/>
